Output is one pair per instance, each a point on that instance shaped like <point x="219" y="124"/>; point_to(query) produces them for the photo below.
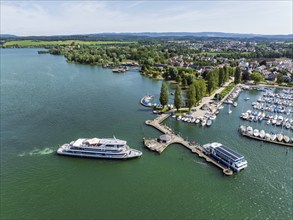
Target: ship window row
<point x="79" y="152"/>
<point x="110" y="145"/>
<point x="224" y="157"/>
<point x="89" y="148"/>
<point x="92" y="153"/>
<point x="104" y="145"/>
<point x="95" y="150"/>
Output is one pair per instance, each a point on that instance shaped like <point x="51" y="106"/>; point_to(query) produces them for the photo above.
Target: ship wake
<point x="37" y="152"/>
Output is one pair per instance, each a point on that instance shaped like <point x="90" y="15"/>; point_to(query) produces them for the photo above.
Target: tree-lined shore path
<point x="207" y="100"/>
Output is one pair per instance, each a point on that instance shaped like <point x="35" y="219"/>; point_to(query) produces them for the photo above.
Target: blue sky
<point x="84" y="17"/>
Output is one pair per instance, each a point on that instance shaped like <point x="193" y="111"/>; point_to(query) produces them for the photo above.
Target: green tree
<point x="178" y="98"/>
<point x="200" y="89"/>
<point x="155" y="73"/>
<point x="231" y="71"/>
<point x="280" y="78"/>
<point x="256" y="77"/>
<point x="196" y="84"/>
<point x="212" y="81"/>
<point x="237" y="75"/>
<point x="164" y="95"/>
<point x="173" y="73"/>
<point x="179" y="79"/>
<point x="144" y="68"/>
<point x="203" y="88"/>
<point x="184" y="82"/>
<point x="189" y="78"/>
<point x="226" y="73"/>
<point x="209" y="85"/>
<point x="215" y="73"/>
<point x="190" y="96"/>
<point x="221" y="77"/>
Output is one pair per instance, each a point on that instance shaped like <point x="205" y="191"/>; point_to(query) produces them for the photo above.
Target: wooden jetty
<point x="155" y="145"/>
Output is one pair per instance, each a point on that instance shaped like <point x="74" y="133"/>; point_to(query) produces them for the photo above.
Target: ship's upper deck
<point x="99" y="142"/>
<point x="234" y="156"/>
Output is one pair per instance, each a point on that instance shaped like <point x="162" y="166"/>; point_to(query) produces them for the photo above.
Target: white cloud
<point x="76" y="17"/>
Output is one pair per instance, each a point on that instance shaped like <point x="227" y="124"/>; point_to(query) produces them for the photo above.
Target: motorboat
<point x="286" y="139"/>
<point x="273" y="136"/>
<point x="249" y="130"/>
<point x="209" y="122"/>
<point x="262" y="133"/>
<point x="280" y="137"/>
<point x="256" y="132"/>
<point x="203" y="122"/>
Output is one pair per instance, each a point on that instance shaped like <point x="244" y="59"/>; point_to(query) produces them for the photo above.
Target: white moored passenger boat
<point x="111" y="148"/>
<point x="226" y="156"/>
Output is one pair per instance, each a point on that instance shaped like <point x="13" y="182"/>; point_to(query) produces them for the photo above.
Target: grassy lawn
<point x="282" y="59"/>
<point x="227" y="90"/>
<point x="182" y="111"/>
<point x="161" y="109"/>
<point x="31" y="43"/>
<point x="211" y="53"/>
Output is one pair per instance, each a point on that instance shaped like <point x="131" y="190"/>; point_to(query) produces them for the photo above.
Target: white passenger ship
<point x="111" y="148"/>
<point x="226" y="156"/>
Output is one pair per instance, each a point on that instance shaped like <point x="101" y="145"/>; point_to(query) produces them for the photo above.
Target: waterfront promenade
<point x="155" y="145"/>
<point x="207" y="100"/>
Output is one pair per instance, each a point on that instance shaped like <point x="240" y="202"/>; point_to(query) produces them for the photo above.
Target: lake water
<point x="46" y="102"/>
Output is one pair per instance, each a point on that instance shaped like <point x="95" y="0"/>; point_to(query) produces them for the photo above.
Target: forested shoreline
<point x="184" y="61"/>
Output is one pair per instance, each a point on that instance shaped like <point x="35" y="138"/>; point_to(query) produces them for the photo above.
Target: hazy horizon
<point x="47" y="18"/>
<point x="146" y="32"/>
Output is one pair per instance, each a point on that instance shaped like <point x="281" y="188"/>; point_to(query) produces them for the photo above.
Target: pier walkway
<point x="155" y="145"/>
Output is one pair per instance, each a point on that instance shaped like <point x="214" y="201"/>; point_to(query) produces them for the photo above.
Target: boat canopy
<point x="112" y="141"/>
<point x="92" y="141"/>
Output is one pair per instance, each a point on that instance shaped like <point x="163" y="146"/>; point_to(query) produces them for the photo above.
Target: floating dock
<point x="265" y="140"/>
<point x="155" y="145"/>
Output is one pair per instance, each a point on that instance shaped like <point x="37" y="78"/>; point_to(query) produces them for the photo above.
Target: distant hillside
<point x="196" y="34"/>
<point x="150" y="35"/>
<point x="5" y="36"/>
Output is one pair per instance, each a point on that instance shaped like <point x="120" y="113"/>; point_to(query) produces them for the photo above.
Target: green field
<point x="283" y="42"/>
<point x="31" y="43"/>
<point x="219" y="53"/>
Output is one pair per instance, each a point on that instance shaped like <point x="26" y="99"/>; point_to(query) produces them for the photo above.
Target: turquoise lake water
<point x="46" y="102"/>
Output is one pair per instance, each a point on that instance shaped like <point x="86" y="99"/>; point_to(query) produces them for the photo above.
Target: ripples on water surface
<point x="46" y="102"/>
